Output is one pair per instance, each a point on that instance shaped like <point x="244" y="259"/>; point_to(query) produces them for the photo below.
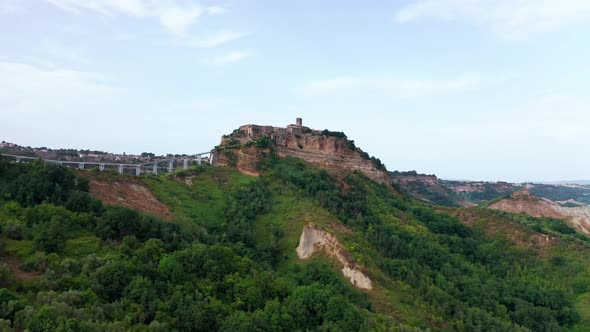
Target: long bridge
<point x="152" y="167"/>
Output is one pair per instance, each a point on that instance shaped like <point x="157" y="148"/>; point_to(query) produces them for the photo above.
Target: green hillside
<point x="227" y="260"/>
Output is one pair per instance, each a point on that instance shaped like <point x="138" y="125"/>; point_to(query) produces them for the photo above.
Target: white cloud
<point x="215" y="40"/>
<point x="390" y="86"/>
<point x="177" y="19"/>
<point x="215" y="10"/>
<point x="231" y="57"/>
<point x="510" y="19"/>
<point x="136" y="8"/>
<point x="66" y="53"/>
<point x="49" y="91"/>
<point x="10" y="7"/>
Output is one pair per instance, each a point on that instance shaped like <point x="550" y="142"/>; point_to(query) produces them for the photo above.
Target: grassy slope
<point x="202" y="200"/>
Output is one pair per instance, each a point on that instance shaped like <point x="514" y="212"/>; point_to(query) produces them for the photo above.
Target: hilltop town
<point x="331" y="150"/>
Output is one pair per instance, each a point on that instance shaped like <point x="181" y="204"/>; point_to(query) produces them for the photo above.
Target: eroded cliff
<point x="314" y="239"/>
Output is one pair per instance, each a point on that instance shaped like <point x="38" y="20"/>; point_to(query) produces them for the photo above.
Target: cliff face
<point x="332" y="151"/>
<point x="314" y="239"/>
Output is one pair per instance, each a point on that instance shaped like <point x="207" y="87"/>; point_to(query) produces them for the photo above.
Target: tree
<point x="117" y="222"/>
<point x="111" y="280"/>
<point x="50" y="237"/>
<point x="44" y="320"/>
<point x="6" y="275"/>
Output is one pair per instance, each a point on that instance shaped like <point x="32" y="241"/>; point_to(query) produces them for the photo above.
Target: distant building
<point x="4" y="144"/>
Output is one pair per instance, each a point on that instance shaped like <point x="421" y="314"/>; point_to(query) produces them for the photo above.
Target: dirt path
<point x="14" y="265"/>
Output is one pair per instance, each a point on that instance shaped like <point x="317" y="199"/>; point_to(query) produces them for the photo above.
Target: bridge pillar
<point x="121" y="168"/>
<point x="137" y="170"/>
<point x="101" y="167"/>
<point x="199" y="160"/>
<point x="18" y="159"/>
<point x="155" y="171"/>
<point x="81" y="165"/>
<point x="185" y="164"/>
<point x="170" y="166"/>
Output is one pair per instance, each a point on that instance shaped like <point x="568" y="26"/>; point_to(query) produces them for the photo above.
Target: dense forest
<point x="227" y="262"/>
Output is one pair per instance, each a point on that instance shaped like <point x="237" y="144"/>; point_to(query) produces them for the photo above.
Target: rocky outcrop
<point x="246" y="146"/>
<point x="245" y="158"/>
<point x="314" y="239"/>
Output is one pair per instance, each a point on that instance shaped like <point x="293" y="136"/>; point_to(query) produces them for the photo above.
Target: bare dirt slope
<point x="14" y="265"/>
<point x="524" y="202"/>
<point x="129" y="193"/>
<point x="579" y="217"/>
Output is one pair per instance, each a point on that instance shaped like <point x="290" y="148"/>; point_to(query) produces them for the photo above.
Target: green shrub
<point x="6" y="275"/>
<point x="14" y="230"/>
<point x="111" y="279"/>
<point x="44" y="320"/>
<point x="6" y="325"/>
<point x="263" y="142"/>
<point x="350" y="145"/>
<point x="337" y="134"/>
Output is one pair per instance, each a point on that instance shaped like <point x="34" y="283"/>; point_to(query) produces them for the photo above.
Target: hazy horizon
<point x="481" y="90"/>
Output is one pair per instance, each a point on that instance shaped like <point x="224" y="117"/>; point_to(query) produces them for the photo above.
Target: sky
<point x="464" y="89"/>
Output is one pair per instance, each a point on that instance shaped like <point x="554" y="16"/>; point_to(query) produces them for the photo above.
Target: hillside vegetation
<point x="226" y="260"/>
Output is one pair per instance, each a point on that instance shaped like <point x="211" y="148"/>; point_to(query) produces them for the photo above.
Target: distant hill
<point x="433" y="190"/>
<point x="574" y="182"/>
<point x="427" y="188"/>
<point x="562" y="194"/>
<point x="525" y="202"/>
<point x="436" y="191"/>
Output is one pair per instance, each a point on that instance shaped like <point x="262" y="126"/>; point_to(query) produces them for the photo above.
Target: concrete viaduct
<point x="151" y="167"/>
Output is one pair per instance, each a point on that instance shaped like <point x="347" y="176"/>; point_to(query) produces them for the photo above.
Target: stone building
<point x="255" y="131"/>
